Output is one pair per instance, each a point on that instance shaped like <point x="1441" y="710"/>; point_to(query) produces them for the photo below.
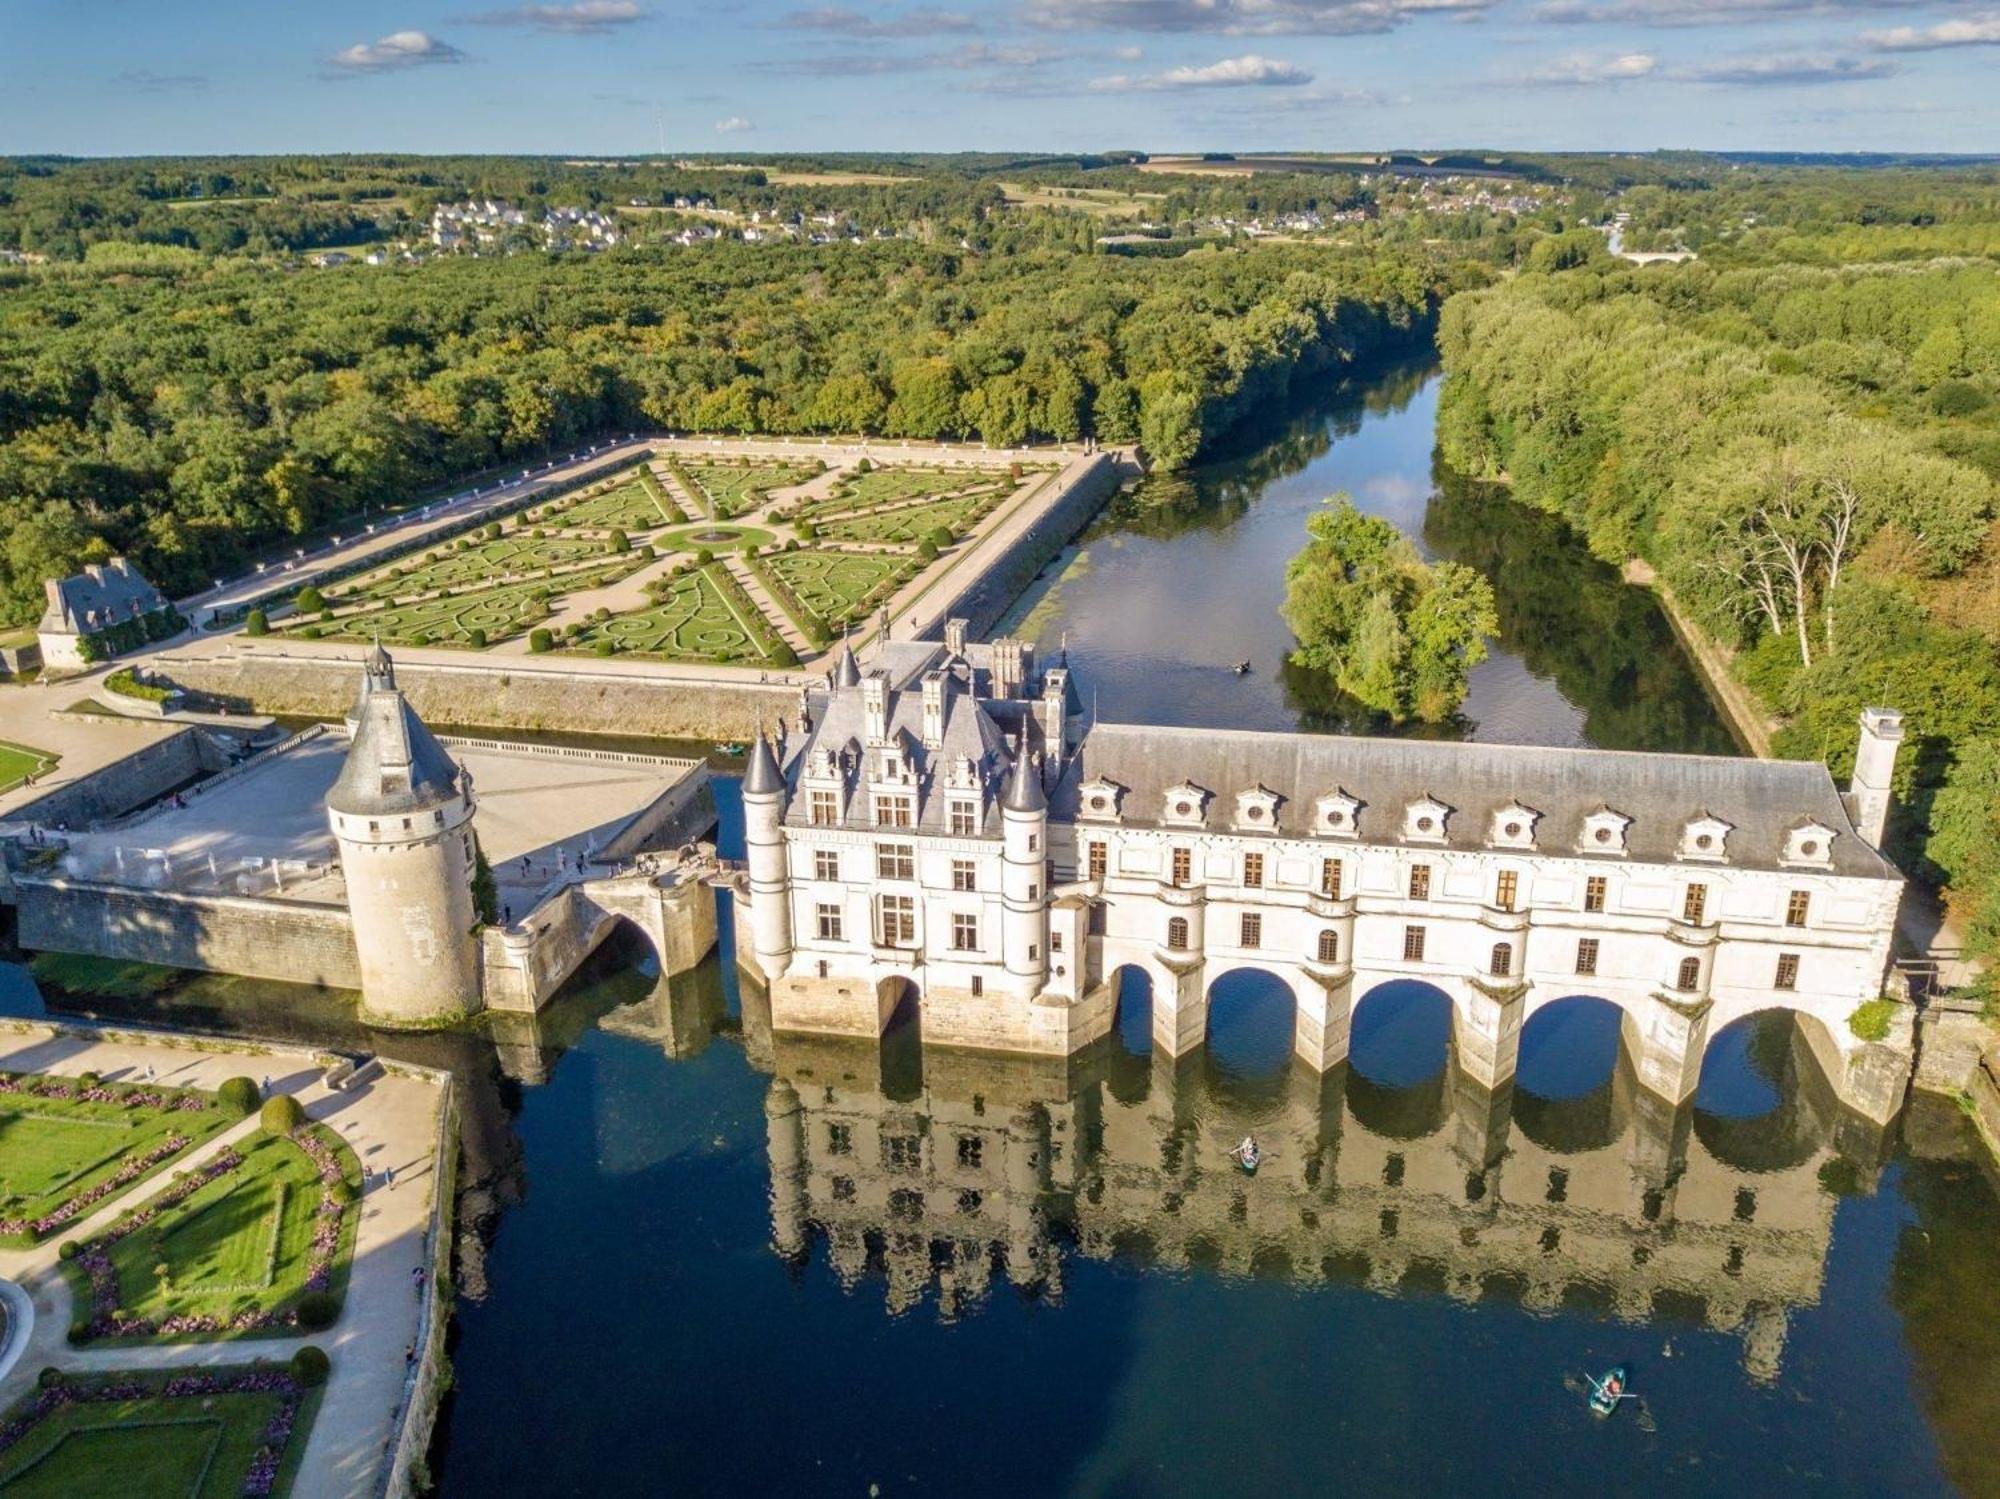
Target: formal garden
<point x="210" y="1433"/>
<point x="255" y="1242"/>
<point x="69" y="1146"/>
<point x="824" y="563"/>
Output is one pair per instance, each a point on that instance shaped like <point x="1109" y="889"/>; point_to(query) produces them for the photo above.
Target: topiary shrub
<point x="89" y="1079"/>
<point x="318" y="1310"/>
<point x="807" y="531"/>
<point x="66" y="1250"/>
<point x="477" y="638"/>
<point x="604" y="648"/>
<point x="864" y="467"/>
<point x="240" y="1095"/>
<point x="256" y="622"/>
<point x="927" y="549"/>
<point x="619" y="542"/>
<point x="939" y="537"/>
<point x="310" y="600"/>
<point x="703" y="557"/>
<point x="540" y="640"/>
<point x="310" y="1366"/>
<point x="491" y="530"/>
<point x="783" y="655"/>
<point x="281" y="1115"/>
<point x="50" y="1377"/>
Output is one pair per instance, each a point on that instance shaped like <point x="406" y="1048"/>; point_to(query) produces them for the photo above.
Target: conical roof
<point x="762" y="777"/>
<point x="395" y="765"/>
<point x="846" y="670"/>
<point x="1024" y="791"/>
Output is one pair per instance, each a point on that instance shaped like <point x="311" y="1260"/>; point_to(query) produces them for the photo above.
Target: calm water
<point x="700" y="1259"/>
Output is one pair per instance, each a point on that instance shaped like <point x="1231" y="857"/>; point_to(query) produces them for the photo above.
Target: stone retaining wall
<point x="149" y="772"/>
<point x="490" y="694"/>
<point x="405" y="1473"/>
<point x="293" y="941"/>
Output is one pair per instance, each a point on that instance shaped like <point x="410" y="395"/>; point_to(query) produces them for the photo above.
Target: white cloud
<point x="1581" y="68"/>
<point x="399" y="49"/>
<point x="1248" y="71"/>
<point x="924" y="21"/>
<point x="1973" y="31"/>
<point x="1238" y="17"/>
<point x="1702" y="12"/>
<point x="733" y="125"/>
<point x="583" y="18"/>
<point x="971" y="56"/>
<point x="1782" y="69"/>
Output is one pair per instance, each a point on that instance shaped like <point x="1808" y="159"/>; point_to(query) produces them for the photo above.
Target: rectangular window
<point x="829" y="923"/>
<point x="1788" y="970"/>
<point x="971" y="1149"/>
<point x="1094" y="857"/>
<point x="895" y="861"/>
<point x="895" y="810"/>
<point x="964" y="819"/>
<point x="1183" y="866"/>
<point x="1593" y="893"/>
<point x="964" y="933"/>
<point x="1506" y="889"/>
<point x="1420" y="882"/>
<point x="1413" y="944"/>
<point x="1694" y="905"/>
<point x="1034" y="952"/>
<point x="1586" y="955"/>
<point x="1253" y="929"/>
<point x="964" y="875"/>
<point x="902" y="1152"/>
<point x="1034" y="842"/>
<point x="978" y="986"/>
<point x="1329" y="878"/>
<point x="1253" y="870"/>
<point x="1796" y="906"/>
<point x="898" y="920"/>
<point x="839" y="1140"/>
<point x="823" y="807"/>
<point x="826" y="864"/>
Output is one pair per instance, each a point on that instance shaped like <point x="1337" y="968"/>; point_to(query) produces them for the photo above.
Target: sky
<point x="152" y="77"/>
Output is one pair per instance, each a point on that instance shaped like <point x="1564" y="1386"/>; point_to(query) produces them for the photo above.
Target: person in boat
<point x="1247" y="1150"/>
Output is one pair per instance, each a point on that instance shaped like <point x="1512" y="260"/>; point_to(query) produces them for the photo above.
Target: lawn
<point x="882" y="486"/>
<point x="500" y="612"/>
<point x="67" y="1150"/>
<point x="184" y="1434"/>
<point x="693" y="620"/>
<point x="838" y="586"/>
<point x="907" y="522"/>
<point x="638" y="504"/>
<point x="733" y="488"/>
<point x="18" y="762"/>
<point x="227" y="1251"/>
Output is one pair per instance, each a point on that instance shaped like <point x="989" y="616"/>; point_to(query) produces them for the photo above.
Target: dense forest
<point x="1807" y="452"/>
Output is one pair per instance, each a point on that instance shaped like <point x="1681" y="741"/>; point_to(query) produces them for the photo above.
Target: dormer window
<point x="1810" y="844"/>
<point x="1604" y="832"/>
<point x="1337" y="815"/>
<point x="1424" y="820"/>
<point x="1257" y="809"/>
<point x="1705" y="838"/>
<point x="1514" y="826"/>
<point x="1186" y="805"/>
<point x="1097" y="800"/>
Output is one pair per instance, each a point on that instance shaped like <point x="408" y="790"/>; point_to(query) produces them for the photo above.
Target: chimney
<point x="875" y="707"/>
<point x="1055" y="681"/>
<point x="1869" y="794"/>
<point x="933" y="709"/>
<point x="1007" y="675"/>
<point x="954" y="636"/>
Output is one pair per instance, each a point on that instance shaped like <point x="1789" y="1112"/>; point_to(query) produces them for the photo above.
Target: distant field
<point x="1100" y="200"/>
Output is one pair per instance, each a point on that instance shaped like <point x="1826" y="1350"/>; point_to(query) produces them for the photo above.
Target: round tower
<point x="401" y="812"/>
<point x="764" y="842"/>
<point x="1024" y="822"/>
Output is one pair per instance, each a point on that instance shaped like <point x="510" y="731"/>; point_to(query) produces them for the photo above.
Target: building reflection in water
<point x="943" y="1175"/>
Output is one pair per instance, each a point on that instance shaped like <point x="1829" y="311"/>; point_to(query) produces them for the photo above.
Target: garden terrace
<point x="637" y="503"/>
<point x="204" y="1434"/>
<point x="229" y="1250"/>
<point x="911" y="523"/>
<point x="730" y="488"/>
<point x="520" y="557"/>
<point x="462" y="619"/>
<point x="700" y="615"/>
<point x="838" y="587"/>
<point x="893" y="485"/>
<point x="67" y="1149"/>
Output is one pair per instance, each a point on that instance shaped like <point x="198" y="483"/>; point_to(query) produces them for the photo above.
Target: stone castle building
<point x="946" y="826"/>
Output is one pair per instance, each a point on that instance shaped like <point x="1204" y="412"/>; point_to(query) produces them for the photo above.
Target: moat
<point x="703" y="1259"/>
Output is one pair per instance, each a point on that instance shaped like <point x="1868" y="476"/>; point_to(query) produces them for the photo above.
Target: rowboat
<point x="1605" y="1393"/>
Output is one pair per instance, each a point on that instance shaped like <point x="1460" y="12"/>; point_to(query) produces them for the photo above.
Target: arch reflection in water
<point x="1000" y="1168"/>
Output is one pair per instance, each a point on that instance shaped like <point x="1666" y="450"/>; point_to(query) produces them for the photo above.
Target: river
<point x="699" y="1259"/>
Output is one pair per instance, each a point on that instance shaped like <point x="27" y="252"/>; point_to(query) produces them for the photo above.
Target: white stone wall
<point x="409" y="887"/>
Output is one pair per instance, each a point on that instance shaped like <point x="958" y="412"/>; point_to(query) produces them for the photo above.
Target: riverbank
<point x="1752" y="726"/>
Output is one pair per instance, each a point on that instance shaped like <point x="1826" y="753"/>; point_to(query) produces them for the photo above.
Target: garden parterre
<point x="732" y="487"/>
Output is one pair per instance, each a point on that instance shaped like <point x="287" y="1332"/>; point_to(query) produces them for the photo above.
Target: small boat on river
<point x="1247" y="1155"/>
<point x="1606" y="1393"/>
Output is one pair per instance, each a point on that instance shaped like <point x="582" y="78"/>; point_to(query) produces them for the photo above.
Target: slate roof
<point x="395" y="765"/>
<point x="1763" y="800"/>
<point x="100" y="596"/>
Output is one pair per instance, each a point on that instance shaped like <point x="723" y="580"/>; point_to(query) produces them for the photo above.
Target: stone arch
<point x="1258" y="1005"/>
<point x="1765" y="1101"/>
<point x="1132" y="1012"/>
<point x="1400" y="1058"/>
<point x="1566" y="1081"/>
<point x="900" y="1002"/>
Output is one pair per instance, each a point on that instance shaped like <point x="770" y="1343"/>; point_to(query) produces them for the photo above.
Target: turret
<point x="1870" y="794"/>
<point x="764" y="841"/>
<point x="401" y="812"/>
<point x="1024" y="819"/>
